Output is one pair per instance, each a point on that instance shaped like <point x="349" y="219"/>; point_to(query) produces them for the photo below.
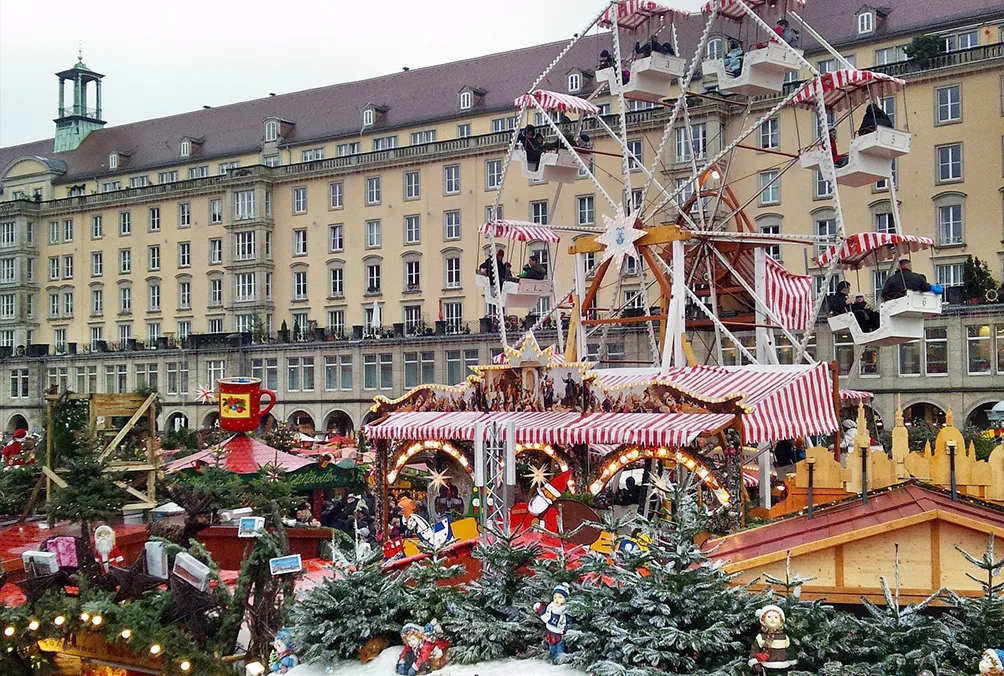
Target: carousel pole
<point x="835" y="370"/>
<point x="381" y="460"/>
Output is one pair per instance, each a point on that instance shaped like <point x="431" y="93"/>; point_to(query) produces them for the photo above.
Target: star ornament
<point x="438" y="478"/>
<point x="538" y="476"/>
<point x="661" y="486"/>
<point x="205" y="395"/>
<point x="619" y="237"/>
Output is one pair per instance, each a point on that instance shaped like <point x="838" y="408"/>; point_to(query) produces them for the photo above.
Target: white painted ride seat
<point x="650" y="80"/>
<point x="518" y="293"/>
<point x="900" y="320"/>
<point x="558" y="166"/>
<point x="763" y="71"/>
<point x="869" y="158"/>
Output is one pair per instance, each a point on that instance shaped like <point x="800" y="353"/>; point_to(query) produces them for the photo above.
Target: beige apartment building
<point x="349" y="216"/>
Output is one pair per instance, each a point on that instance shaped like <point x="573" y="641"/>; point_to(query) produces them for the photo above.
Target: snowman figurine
<point x="992" y="662"/>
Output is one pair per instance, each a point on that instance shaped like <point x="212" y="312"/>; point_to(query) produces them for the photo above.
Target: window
<point x="978" y="349"/>
<point x="185" y="295"/>
<point x="774" y="250"/>
<point x="155" y="297"/>
<point x="369" y="371"/>
<point x="384" y="143"/>
<point x="373" y="190"/>
<point x="500" y="124"/>
<point x="300" y="285"/>
<point x="244" y="285"/>
<point x="950" y="224"/>
<point x="243" y="204"/>
<point x="949" y="104"/>
<point x="336" y="237"/>
<point x="125" y="223"/>
<point x="268" y="291"/>
<point x="635" y="159"/>
<point x="574" y="83"/>
<point x="585" y="210"/>
<point x="8" y="233"/>
<point x="111" y="186"/>
<point x="412" y="186"/>
<point x="53" y="268"/>
<point x="244" y="249"/>
<point x="949" y="274"/>
<point x="770" y="187"/>
<point x="884" y="223"/>
<point x="67" y="267"/>
<point x="8" y="267"/>
<point x="125" y="261"/>
<point x="453" y="271"/>
<point x="949" y="163"/>
<point x="125" y="299"/>
<point x="215" y="211"/>
<point x="412" y="275"/>
<point x="889" y="55"/>
<point x="843" y="350"/>
<point x="113" y="160"/>
<point x="966" y="40"/>
<point x="412" y="230"/>
<point x="866" y="23"/>
<point x="386" y="371"/>
<point x="68" y="231"/>
<point x="19" y="379"/>
<point x="493" y="214"/>
<point x="271" y="130"/>
<point x="139" y="182"/>
<point x="177" y="377"/>
<point x="770" y="134"/>
<point x="272" y="161"/>
<point x="97" y="302"/>
<point x="268" y="245"/>
<point x="826" y="66"/>
<point x="53" y="305"/>
<point x="823" y="188"/>
<point x="153" y="220"/>
<point x="198" y="172"/>
<point x="184" y="254"/>
<point x="300" y="200"/>
<point x="493" y="174"/>
<point x="374" y="235"/>
<point x="311" y="154"/>
<point x="345" y="149"/>
<point x="215" y="325"/>
<point x="167" y="176"/>
<point x="227" y="166"/>
<point x="300" y="374"/>
<point x="452" y="179"/>
<point x="216" y="369"/>
<point x="300" y="242"/>
<point x="463" y="130"/>
<point x="215" y="292"/>
<point x="420" y="137"/>
<point x="336" y="288"/>
<point x="452" y="225"/>
<point x="184" y="329"/>
<point x="53" y="232"/>
<point x="336" y="322"/>
<point x="538" y="212"/>
<point x="714" y="49"/>
<point x="8" y="305"/>
<point x="373" y="278"/>
<point x="215" y="251"/>
<point x="466" y="100"/>
<point x="825" y="227"/>
<point x="184" y="215"/>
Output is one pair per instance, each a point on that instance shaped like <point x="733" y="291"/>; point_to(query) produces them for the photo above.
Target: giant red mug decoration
<point x="240" y="403"/>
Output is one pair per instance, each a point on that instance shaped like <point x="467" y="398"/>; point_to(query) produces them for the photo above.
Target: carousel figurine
<point x="282" y="658"/>
<point x="769" y="652"/>
<point x="555" y="620"/>
<point x="992" y="662"/>
<point x="106" y="552"/>
<point x="17" y="451"/>
<point x="432" y="653"/>
<point x="548" y="492"/>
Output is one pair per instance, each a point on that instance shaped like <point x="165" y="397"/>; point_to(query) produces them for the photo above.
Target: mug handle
<point x="271" y="403"/>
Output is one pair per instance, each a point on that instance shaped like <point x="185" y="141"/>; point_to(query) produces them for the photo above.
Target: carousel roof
<point x="848" y="88"/>
<point x="556" y="101"/>
<point x="632" y="14"/>
<point x="864" y="247"/>
<point x="856" y="396"/>
<point x="520" y="231"/>
<point x="242" y="455"/>
<point x="648" y="429"/>
<point x="733" y="9"/>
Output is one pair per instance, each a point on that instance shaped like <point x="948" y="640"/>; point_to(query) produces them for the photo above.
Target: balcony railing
<point x="946" y="60"/>
<point x="79" y="111"/>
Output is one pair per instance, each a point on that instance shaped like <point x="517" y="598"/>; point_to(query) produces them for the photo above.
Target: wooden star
<point x="190" y="605"/>
<point x="660" y="485"/>
<point x="134" y="581"/>
<point x="537" y="476"/>
<point x="34" y="585"/>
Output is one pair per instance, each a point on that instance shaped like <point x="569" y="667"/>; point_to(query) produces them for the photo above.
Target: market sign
<point x="330" y="477"/>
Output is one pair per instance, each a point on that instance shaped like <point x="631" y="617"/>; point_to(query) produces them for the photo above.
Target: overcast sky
<point x="170" y="58"/>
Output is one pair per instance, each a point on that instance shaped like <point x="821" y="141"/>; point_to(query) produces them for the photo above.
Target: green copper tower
<point x="76" y="121"/>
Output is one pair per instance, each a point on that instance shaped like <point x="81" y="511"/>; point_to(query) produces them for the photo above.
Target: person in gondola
<point x="488" y="268"/>
<point x="606" y="60"/>
<point x="904" y="280"/>
<point x="661" y="47"/>
<point x="534" y="269"/>
<point x="533" y="145"/>
<point x="867" y="318"/>
<point x="734" y="59"/>
<point x="787" y="33"/>
<point x="642" y="50"/>
<point x="837" y="303"/>
<point x="838" y="159"/>
<point x="874" y="118"/>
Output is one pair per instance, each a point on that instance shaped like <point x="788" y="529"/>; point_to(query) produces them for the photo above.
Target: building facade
<point x="129" y="254"/>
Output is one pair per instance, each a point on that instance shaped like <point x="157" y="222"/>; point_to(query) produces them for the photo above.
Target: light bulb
<point x="185" y="665"/>
<point x="97" y="620"/>
<point x="8" y="632"/>
<point x="59" y="621"/>
<point x="126" y="634"/>
<point x="155" y="649"/>
<point x="84" y="617"/>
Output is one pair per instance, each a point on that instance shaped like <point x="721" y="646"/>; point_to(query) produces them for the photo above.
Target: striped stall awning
<point x="782" y="402"/>
<point x="872" y="247"/>
<point x="615" y="429"/>
<point x="848" y="88"/>
<point x="856" y="396"/>
<point x="556" y="101"/>
<point x="788" y="296"/>
<point x="733" y="10"/>
<point x="751" y="478"/>
<point x="632" y="14"/>
<point x="520" y="231"/>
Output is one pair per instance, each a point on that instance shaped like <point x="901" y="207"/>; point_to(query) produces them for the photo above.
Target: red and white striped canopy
<point x="732" y="9"/>
<point x="788" y="296"/>
<point x="782" y="402"/>
<point x="520" y="231"/>
<point x="847" y="88"/>
<point x="855" y="396"/>
<point x="751" y="478"/>
<point x="557" y="101"/>
<point x="644" y="429"/>
<point x="631" y="14"/>
<point x="863" y="248"/>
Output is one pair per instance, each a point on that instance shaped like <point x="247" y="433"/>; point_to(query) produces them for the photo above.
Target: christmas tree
<point x="978" y="622"/>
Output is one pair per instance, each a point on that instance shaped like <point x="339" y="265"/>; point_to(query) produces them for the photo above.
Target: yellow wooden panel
<point x="868" y="559"/>
<point x="953" y="565"/>
<point x="996" y="462"/>
<point x="465" y="529"/>
<point x="820" y="565"/>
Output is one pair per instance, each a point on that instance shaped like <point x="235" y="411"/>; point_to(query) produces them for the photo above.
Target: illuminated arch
<point x="419" y="446"/>
<point x="559" y="457"/>
<point x="616" y="461"/>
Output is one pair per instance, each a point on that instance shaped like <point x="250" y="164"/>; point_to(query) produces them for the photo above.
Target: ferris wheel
<point x="698" y="268"/>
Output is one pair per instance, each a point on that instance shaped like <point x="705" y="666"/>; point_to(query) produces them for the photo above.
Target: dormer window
<point x="368" y="117"/>
<point x="866" y="23"/>
<point x="113" y="160"/>
<point x="466" y="100"/>
<point x="574" y="83"/>
<point x="186" y="148"/>
<point x="271" y="131"/>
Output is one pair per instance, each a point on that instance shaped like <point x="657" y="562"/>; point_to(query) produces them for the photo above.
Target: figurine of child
<point x="555" y="619"/>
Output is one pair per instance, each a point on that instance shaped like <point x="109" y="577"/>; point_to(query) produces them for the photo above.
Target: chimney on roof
<point x="206" y="107"/>
<point x="271" y="93"/>
<point x="406" y="69"/>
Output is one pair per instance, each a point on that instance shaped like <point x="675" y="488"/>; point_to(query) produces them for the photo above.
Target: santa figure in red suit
<point x="106" y="552"/>
<point x="14" y="452"/>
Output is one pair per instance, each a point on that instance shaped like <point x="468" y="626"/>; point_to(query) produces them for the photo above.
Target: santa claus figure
<point x="992" y="662"/>
<point x="15" y="452"/>
<point x="769" y="652"/>
<point x="549" y="492"/>
<point x="106" y="552"/>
